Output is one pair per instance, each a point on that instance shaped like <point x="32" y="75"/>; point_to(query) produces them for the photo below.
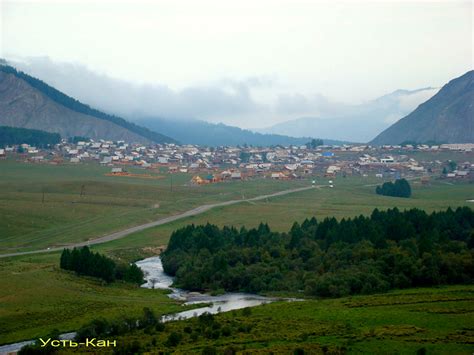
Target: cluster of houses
<point x="210" y="165"/>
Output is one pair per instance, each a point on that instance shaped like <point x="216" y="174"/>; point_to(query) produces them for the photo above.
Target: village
<point x="208" y="165"/>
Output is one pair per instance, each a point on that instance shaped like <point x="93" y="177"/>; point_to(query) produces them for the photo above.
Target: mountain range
<point x="193" y="131"/>
<point x="448" y="117"/>
<point x="27" y="102"/>
<point x="357" y="123"/>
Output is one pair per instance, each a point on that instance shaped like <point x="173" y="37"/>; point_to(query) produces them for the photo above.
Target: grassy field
<point x="349" y="197"/>
<point x="423" y="321"/>
<point x="36" y="297"/>
<point x="28" y="221"/>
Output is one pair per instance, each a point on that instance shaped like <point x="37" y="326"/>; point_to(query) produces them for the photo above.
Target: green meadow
<point x="42" y="206"/>
<point x="37" y="297"/>
<point x="416" y="321"/>
<point x="349" y="197"/>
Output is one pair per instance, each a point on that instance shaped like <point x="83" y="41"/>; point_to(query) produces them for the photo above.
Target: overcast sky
<point x="261" y="51"/>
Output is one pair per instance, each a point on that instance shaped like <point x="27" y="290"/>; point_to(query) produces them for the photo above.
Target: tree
<point x="329" y="258"/>
<point x="85" y="262"/>
<point x="400" y="188"/>
<point x="315" y="143"/>
<point x="244" y="157"/>
<point x="452" y="165"/>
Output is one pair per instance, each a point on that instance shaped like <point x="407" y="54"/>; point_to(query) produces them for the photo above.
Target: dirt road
<point x="128" y="231"/>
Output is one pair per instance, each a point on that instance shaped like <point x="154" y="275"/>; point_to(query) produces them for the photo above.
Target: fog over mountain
<point x="234" y="102"/>
<point x="448" y="117"/>
<point x="359" y="123"/>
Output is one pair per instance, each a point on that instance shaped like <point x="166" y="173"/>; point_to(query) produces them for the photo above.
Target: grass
<point x="349" y="197"/>
<point x="438" y="320"/>
<point x="37" y="297"/>
<point x="108" y="204"/>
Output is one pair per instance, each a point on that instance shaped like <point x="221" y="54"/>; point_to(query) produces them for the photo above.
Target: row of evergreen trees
<point x="399" y="188"/>
<point x="34" y="137"/>
<point x="85" y="262"/>
<point x="389" y="249"/>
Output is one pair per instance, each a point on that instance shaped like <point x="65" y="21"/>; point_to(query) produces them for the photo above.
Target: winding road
<point x="190" y="213"/>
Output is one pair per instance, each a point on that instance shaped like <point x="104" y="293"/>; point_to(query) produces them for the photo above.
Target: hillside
<point x="12" y="135"/>
<point x="356" y="123"/>
<point x="27" y="102"/>
<point x="448" y="117"/>
<point x="204" y="133"/>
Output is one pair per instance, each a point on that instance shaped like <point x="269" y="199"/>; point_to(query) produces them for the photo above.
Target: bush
<point x="400" y="188"/>
<point x="173" y="339"/>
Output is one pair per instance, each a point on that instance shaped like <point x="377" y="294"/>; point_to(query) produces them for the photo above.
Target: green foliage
<point x="315" y="143"/>
<point x="102" y="328"/>
<point x="244" y="157"/>
<point x="452" y="165"/>
<point x="390" y="249"/>
<point x="434" y="320"/>
<point x="173" y="339"/>
<point x="34" y="137"/>
<point x="85" y="262"/>
<point x="400" y="188"/>
<point x="78" y="106"/>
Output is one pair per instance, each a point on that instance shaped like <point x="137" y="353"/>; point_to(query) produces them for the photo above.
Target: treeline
<point x="78" y="106"/>
<point x="85" y="262"/>
<point x="33" y="137"/>
<point x="399" y="188"/>
<point x="389" y="249"/>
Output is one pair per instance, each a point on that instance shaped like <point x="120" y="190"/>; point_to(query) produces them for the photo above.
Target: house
<point x="278" y="176"/>
<point x="197" y="180"/>
<point x="236" y="175"/>
<point x="2" y="154"/>
<point x="211" y="178"/>
<point x="117" y="171"/>
<point x="387" y="160"/>
<point x="462" y="174"/>
<point x="106" y="160"/>
<point x="332" y="170"/>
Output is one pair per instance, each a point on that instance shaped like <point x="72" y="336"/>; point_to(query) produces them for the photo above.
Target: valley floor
<point x="416" y="321"/>
<point x="37" y="297"/>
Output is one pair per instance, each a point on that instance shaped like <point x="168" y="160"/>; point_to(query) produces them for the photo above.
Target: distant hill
<point x="357" y="123"/>
<point x="448" y="117"/>
<point x="34" y="137"/>
<point x="28" y="102"/>
<point x="191" y="131"/>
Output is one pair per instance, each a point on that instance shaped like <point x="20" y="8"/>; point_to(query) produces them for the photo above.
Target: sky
<point x="248" y="63"/>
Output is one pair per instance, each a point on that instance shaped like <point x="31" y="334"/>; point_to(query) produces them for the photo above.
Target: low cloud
<point x="226" y="97"/>
<point x="410" y="102"/>
<point x="234" y="102"/>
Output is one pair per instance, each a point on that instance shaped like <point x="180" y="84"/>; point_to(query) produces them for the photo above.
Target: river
<point x="156" y="278"/>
